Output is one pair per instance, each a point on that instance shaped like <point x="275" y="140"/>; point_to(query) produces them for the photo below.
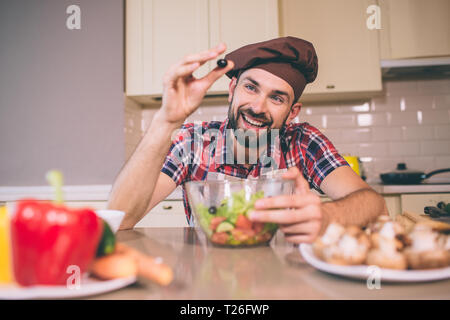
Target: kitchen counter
<point x="414" y="188"/>
<point x="101" y="192"/>
<point x="272" y="272"/>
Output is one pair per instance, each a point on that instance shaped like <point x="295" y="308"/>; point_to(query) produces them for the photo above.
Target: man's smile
<point x="250" y="122"/>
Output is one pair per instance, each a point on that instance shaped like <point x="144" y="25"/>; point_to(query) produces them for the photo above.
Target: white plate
<point x="364" y="271"/>
<point x="88" y="286"/>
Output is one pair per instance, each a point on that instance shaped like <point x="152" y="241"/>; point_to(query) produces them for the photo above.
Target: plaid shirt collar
<point x="221" y="148"/>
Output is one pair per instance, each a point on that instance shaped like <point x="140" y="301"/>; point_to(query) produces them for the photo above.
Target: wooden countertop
<point x="272" y="272"/>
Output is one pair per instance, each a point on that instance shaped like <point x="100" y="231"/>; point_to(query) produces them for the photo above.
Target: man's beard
<point x="264" y="133"/>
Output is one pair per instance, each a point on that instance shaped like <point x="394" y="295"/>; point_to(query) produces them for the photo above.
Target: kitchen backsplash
<point x="409" y="122"/>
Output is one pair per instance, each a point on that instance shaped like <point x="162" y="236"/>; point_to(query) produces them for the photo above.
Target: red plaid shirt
<point x="202" y="151"/>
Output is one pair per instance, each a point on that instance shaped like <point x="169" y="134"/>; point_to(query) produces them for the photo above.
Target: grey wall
<point x="61" y="92"/>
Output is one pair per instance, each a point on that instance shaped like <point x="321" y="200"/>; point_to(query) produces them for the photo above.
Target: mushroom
<point x="426" y="250"/>
<point x="343" y="246"/>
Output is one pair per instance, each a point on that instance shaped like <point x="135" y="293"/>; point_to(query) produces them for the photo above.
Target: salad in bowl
<point x="221" y="209"/>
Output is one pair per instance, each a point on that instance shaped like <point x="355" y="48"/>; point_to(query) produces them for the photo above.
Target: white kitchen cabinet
<point x="393" y="204"/>
<point x="161" y="32"/>
<point x="239" y="23"/>
<point x="416" y="202"/>
<point x="348" y="52"/>
<point x="399" y="203"/>
<point x="414" y="28"/>
<point x="168" y="213"/>
<point x="95" y="205"/>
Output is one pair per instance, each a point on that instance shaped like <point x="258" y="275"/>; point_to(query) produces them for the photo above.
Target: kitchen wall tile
<point x="318" y="121"/>
<point x="442" y="101"/>
<point x="382" y="164"/>
<point x="212" y="113"/>
<point x="404" y="148"/>
<point x="416" y="102"/>
<point x="334" y="135"/>
<point x="132" y="120"/>
<point x="131" y="105"/>
<point x="148" y="113"/>
<point x="340" y="121"/>
<point x="385" y="103"/>
<point x="441" y="147"/>
<point x="197" y="116"/>
<point x="347" y="148"/>
<point x="420" y="163"/>
<point x="363" y="106"/>
<point x="395" y="87"/>
<point x="386" y="133"/>
<point x="442" y="162"/>
<point x="308" y="109"/>
<point x="433" y="86"/>
<point x="418" y="133"/>
<point x="356" y="135"/>
<point x="403" y="118"/>
<point x="442" y="132"/>
<point x="434" y="117"/>
<point x="132" y="123"/>
<point x="372" y="149"/>
<point x="368" y="169"/>
<point x="372" y="119"/>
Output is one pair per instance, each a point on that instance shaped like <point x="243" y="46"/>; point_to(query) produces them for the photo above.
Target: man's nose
<point x="259" y="105"/>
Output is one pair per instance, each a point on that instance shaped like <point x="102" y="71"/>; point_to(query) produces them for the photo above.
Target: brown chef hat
<point x="292" y="59"/>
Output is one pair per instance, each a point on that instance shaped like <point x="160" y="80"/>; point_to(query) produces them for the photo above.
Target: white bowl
<point x="112" y="217"/>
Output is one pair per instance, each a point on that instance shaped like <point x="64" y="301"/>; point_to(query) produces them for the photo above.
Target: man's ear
<point x="231" y="87"/>
<point x="295" y="109"/>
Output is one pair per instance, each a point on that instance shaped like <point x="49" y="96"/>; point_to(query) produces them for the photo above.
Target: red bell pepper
<point x="47" y="238"/>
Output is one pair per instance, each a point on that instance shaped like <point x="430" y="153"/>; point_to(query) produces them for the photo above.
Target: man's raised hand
<point x="182" y="92"/>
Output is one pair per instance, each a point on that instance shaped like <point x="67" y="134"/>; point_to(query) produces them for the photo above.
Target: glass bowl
<point x="221" y="209"/>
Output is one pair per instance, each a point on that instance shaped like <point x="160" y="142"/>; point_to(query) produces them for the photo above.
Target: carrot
<point x="113" y="266"/>
<point x="147" y="267"/>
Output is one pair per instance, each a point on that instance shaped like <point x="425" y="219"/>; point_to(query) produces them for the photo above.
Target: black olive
<point x="441" y="205"/>
<point x="212" y="210"/>
<point x="222" y="63"/>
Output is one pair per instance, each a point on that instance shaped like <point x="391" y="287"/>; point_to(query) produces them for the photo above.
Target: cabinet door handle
<point x="167" y="207"/>
<point x="330" y="86"/>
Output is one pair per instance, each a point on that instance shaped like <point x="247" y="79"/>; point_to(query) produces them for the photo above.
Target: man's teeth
<point x="252" y="122"/>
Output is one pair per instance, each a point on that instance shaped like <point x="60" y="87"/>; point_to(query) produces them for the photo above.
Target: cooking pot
<point x="405" y="176"/>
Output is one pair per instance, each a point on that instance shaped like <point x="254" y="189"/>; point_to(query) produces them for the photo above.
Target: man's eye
<point x="250" y="87"/>
<point x="278" y="99"/>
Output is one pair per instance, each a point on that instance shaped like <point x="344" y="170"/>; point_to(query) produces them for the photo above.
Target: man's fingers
<point x="215" y="74"/>
<point x="205" y="55"/>
<point x="301" y="185"/>
<point x="190" y="63"/>
<point x="287" y="201"/>
<point x="307" y="213"/>
<point x="183" y="71"/>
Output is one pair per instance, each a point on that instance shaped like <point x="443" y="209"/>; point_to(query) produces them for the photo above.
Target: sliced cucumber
<point x="224" y="226"/>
